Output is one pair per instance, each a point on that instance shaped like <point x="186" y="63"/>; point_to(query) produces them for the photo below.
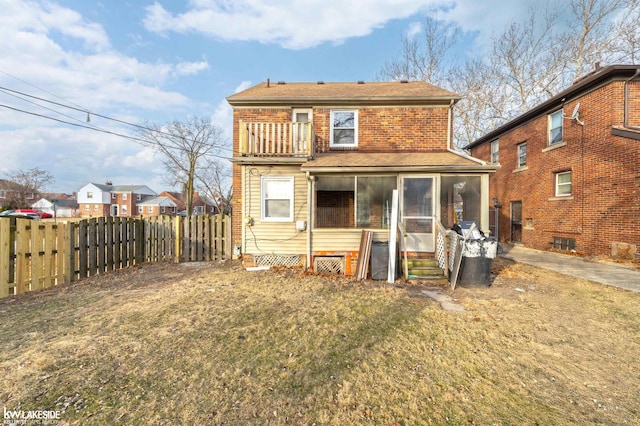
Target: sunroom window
<point x="354" y="201"/>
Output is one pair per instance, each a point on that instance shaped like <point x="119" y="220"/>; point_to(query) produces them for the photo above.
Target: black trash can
<point x="379" y="260"/>
<point x="475" y="268"/>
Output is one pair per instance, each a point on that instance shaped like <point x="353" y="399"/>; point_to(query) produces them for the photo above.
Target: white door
<point x="417" y="211"/>
<point x="301" y="117"/>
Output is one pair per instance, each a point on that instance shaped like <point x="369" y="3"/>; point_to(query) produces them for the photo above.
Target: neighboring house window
<point x="89" y="194"/>
<point x="140" y="209"/>
<point x="31" y="196"/>
<point x="555" y="127"/>
<point x="123" y="210"/>
<point x="277" y="199"/>
<point x="114" y="196"/>
<point x="138" y="197"/>
<point x="3" y="194"/>
<point x="150" y="209"/>
<point x="86" y="207"/>
<point x="124" y="197"/>
<point x="164" y="209"/>
<point x="95" y="208"/>
<point x="495" y="151"/>
<point x="344" y="129"/>
<point x="173" y="209"/>
<point x="522" y="154"/>
<point x="563" y="184"/>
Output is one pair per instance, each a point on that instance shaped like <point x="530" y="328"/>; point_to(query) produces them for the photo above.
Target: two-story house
<point x="316" y="163"/>
<point x="13" y="195"/>
<point x="97" y="200"/>
<point x="570" y="175"/>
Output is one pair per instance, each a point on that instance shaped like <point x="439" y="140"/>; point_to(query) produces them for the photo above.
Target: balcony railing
<point x="276" y="139"/>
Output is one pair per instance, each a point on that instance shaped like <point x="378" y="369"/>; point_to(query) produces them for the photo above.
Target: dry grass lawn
<point x="214" y="344"/>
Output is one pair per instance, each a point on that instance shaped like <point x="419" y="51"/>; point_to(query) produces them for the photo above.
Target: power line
<point x="143" y="142"/>
<point x="83" y="110"/>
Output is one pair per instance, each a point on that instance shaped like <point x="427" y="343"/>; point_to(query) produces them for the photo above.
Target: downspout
<point x="310" y="180"/>
<point x="626" y="101"/>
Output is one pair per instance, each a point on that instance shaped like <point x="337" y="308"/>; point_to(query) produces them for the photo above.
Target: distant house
<point x="13" y="195"/>
<point x="201" y="205"/>
<point x="156" y="206"/>
<point x="570" y="167"/>
<point x="58" y="207"/>
<point x="97" y="200"/>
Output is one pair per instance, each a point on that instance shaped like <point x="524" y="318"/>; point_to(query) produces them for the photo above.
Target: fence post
<point x="140" y="230"/>
<point x="178" y="239"/>
<point x="5" y="256"/>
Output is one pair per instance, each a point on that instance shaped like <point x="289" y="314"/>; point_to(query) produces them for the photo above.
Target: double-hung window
<point x="277" y="199"/>
<point x="344" y="128"/>
<point x="522" y="154"/>
<point x="495" y="151"/>
<point x="555" y="127"/>
<point x="563" y="184"/>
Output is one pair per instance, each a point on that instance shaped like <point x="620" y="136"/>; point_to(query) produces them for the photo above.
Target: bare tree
<point x="26" y="185"/>
<point x="185" y="146"/>
<point x="424" y="61"/>
<point x="214" y="181"/>
<point x="526" y="64"/>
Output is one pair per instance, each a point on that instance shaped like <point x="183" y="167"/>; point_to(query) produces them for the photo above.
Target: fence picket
<point x="40" y="255"/>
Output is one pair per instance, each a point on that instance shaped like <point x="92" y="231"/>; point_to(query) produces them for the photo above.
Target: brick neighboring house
<point x="156" y="206"/>
<point x="201" y="205"/>
<point x="315" y="164"/>
<point x="97" y="200"/>
<point x="13" y="195"/>
<point x="570" y="167"/>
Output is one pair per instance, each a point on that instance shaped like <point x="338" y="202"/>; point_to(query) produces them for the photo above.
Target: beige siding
<point x="273" y="237"/>
<point x="341" y="240"/>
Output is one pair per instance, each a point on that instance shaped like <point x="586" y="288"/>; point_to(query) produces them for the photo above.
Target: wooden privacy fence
<point x="36" y="255"/>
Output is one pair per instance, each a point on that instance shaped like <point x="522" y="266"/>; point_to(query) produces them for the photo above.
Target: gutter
<point x="310" y="180"/>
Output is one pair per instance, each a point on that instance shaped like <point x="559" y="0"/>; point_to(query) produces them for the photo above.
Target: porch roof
<point x="444" y="161"/>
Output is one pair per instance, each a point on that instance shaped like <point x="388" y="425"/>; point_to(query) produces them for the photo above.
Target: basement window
<point x="564" y="243"/>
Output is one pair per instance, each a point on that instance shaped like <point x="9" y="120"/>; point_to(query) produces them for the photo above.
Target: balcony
<point x="258" y="139"/>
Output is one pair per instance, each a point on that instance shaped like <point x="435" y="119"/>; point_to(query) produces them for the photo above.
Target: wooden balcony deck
<point x="276" y="139"/>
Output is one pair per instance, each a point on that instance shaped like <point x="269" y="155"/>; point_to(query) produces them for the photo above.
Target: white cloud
<point x="291" y="24"/>
<point x="190" y="68"/>
<point x="414" y="29"/>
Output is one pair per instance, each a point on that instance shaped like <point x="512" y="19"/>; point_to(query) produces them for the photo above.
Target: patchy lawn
<point x="213" y="344"/>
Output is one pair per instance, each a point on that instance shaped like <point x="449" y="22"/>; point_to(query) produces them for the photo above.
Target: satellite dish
<point x="575" y="114"/>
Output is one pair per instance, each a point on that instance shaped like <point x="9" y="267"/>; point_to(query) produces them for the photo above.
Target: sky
<point x="145" y="61"/>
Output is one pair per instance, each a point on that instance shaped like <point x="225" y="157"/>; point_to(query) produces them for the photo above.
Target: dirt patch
<point x="214" y="344"/>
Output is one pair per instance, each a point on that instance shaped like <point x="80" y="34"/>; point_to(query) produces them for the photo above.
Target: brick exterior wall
<point x="605" y="203"/>
<point x="380" y="129"/>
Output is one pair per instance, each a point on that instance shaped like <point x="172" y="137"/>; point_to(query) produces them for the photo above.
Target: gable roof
<point x="157" y="201"/>
<point x="370" y="93"/>
<point x="581" y="86"/>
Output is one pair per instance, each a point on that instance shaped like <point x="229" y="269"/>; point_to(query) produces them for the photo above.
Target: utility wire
<point x="87" y="111"/>
<point x="143" y="142"/>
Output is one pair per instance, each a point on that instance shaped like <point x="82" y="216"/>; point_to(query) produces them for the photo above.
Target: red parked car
<point x="43" y="215"/>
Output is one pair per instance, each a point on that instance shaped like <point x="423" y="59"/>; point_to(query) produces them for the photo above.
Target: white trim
<point x="285" y="179"/>
<point x="564" y="184"/>
<point x="355" y="129"/>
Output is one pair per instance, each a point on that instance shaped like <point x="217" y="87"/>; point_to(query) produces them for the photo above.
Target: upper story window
<point x="563" y="184"/>
<point x="124" y="197"/>
<point x="277" y="199"/>
<point x="89" y="194"/>
<point x="138" y="197"/>
<point x="344" y="128"/>
<point x="495" y="151"/>
<point x="522" y="154"/>
<point x="3" y="194"/>
<point x="114" y="196"/>
<point x="555" y="127"/>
